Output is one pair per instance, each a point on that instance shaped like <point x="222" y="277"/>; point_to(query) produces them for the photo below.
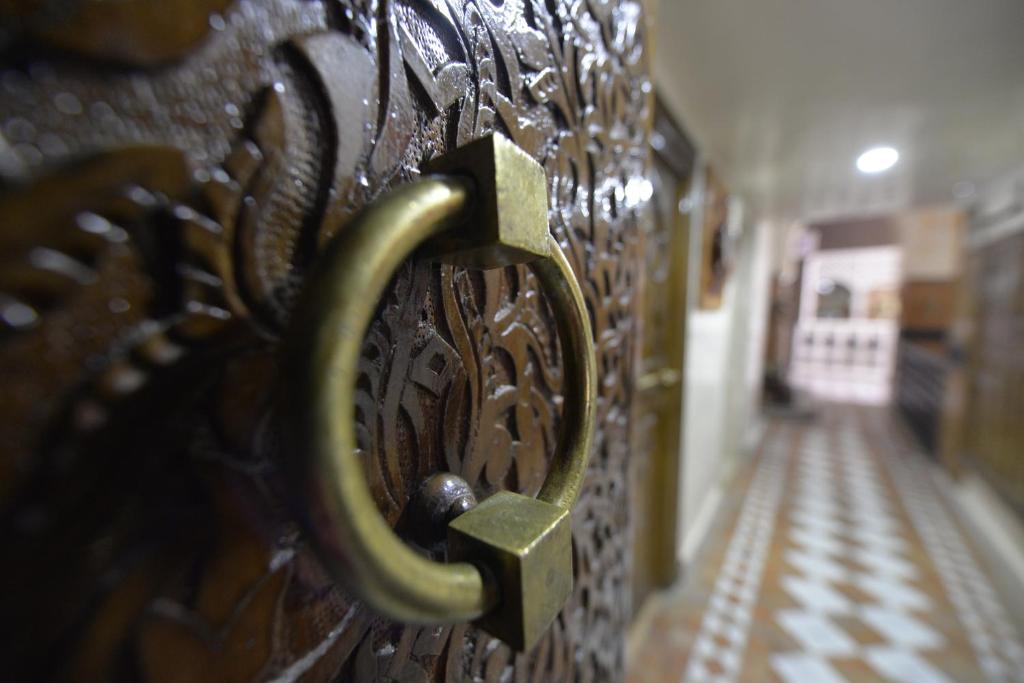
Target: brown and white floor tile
<point x="835" y="560"/>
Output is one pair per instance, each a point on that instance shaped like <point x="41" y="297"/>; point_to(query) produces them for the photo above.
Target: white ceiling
<point x="782" y="95"/>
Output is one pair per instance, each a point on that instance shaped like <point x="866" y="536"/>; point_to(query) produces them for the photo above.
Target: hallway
<point x="834" y="559"/>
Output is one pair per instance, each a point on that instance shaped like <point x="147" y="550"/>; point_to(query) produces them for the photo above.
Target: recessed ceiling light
<point x="877" y="159"/>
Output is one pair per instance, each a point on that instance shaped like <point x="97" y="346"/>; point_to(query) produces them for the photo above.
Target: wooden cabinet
<point x="994" y="430"/>
<point x="928" y="306"/>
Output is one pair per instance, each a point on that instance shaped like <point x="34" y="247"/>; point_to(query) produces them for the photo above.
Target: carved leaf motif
<point x="279" y="125"/>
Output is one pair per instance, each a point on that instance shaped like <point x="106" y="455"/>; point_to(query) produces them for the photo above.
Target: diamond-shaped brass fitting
<point x="526" y="545"/>
<point x="508" y="222"/>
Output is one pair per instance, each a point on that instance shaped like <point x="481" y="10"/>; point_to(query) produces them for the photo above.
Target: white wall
<point x="932" y="241"/>
<point x="704" y="456"/>
<point x="724" y="351"/>
<point x="756" y="321"/>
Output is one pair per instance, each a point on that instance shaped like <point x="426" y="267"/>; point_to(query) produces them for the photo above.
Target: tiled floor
<point x="834" y="559"/>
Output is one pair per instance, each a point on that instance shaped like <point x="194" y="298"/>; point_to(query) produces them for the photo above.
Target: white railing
<point x="850" y="360"/>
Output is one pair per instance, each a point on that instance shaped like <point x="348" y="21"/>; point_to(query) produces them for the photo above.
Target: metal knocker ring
<point x="509" y="558"/>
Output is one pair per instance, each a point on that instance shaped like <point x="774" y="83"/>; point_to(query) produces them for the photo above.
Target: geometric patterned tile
<point x="816" y="522"/>
<point x="799" y="667"/>
<point x="816" y="633"/>
<point x="717" y="653"/>
<point x="892" y="593"/>
<point x="902" y="629"/>
<point x="881" y="541"/>
<point x="837" y="562"/>
<point x="817" y="566"/>
<point x="903" y="666"/>
<point x="816" y="595"/>
<point x="886" y="562"/>
<point x="817" y="541"/>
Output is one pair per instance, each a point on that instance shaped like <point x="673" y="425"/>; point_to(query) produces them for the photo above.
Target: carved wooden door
<point x="658" y="403"/>
<point x="169" y="172"/>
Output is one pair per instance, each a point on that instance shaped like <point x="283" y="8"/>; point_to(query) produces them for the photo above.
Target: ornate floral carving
<point x="144" y="499"/>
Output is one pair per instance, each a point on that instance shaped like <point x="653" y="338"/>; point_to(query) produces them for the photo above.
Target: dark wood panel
<point x="994" y="430"/>
<point x="852" y="234"/>
<point x="922" y="372"/>
<point x="928" y="305"/>
<point x="170" y="172"/>
<point x="657" y="434"/>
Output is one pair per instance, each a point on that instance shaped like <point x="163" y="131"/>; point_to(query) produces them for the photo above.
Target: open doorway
<point x="844" y="345"/>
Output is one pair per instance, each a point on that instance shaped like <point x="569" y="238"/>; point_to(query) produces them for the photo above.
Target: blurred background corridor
<point x="851" y="468"/>
<point x="834" y="558"/>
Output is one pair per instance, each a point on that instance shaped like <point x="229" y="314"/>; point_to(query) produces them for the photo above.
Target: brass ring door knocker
<point x="509" y="558"/>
